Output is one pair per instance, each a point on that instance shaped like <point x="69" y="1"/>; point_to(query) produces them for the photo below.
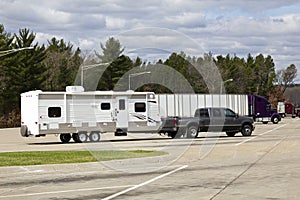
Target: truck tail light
<point x="175" y="122"/>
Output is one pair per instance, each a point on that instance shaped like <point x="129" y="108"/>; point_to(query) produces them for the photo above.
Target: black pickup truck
<point x="208" y="120"/>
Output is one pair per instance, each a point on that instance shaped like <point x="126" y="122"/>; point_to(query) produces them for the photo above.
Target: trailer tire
<point x="65" y="137"/>
<point x="24" y="131"/>
<point x="246" y="130"/>
<point x="275" y="120"/>
<point x="82" y="136"/>
<point x="192" y="132"/>
<point x="94" y="136"/>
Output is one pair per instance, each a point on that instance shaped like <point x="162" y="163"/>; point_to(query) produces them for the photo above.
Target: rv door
<point x="122" y="113"/>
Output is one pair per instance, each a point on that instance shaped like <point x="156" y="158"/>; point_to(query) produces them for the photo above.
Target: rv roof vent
<point x="74" y="89"/>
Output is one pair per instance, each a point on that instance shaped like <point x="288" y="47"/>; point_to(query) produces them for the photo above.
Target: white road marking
<point x="237" y="144"/>
<point x="144" y="183"/>
<point x="65" y="191"/>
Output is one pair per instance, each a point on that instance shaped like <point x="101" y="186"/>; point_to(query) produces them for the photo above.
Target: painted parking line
<point x="252" y="138"/>
<point x="144" y="183"/>
<point x="65" y="191"/>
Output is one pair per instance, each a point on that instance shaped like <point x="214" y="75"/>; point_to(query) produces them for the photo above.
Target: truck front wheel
<point x="192" y="132"/>
<point x="275" y="120"/>
<point x="246" y="130"/>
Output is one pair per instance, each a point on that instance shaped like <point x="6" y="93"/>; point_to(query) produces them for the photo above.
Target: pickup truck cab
<point x="208" y="120"/>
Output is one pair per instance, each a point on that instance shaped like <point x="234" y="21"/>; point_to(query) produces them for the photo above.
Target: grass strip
<point x="61" y="157"/>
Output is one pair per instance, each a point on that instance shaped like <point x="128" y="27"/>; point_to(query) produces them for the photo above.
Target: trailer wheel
<point x="275" y="120"/>
<point x="24" y="131"/>
<point x="192" y="132"/>
<point x="65" y="137"/>
<point x="246" y="130"/>
<point x="94" y="136"/>
<point x="80" y="137"/>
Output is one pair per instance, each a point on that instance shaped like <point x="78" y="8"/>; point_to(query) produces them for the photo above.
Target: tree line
<point x="27" y="65"/>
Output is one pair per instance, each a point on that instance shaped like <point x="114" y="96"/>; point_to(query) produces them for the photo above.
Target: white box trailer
<point x="184" y="105"/>
<point x="84" y="115"/>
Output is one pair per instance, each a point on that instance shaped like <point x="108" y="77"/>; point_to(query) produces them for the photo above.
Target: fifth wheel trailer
<point x="184" y="105"/>
<point x="84" y="115"/>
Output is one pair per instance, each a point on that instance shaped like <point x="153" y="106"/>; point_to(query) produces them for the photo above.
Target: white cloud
<point x="227" y="26"/>
<point x="114" y="23"/>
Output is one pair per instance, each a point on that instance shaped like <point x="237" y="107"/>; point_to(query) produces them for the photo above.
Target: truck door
<point x="122" y="113"/>
<point x="232" y="122"/>
<point x="217" y="119"/>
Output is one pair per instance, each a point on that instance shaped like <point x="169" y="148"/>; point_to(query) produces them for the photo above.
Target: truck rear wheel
<point x="192" y="132"/>
<point x="65" y="137"/>
<point x="246" y="130"/>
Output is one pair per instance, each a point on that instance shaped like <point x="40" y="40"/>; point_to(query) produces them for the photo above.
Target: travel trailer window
<point x="122" y="104"/>
<point x="105" y="106"/>
<point x="140" y="107"/>
<point x="54" y="112"/>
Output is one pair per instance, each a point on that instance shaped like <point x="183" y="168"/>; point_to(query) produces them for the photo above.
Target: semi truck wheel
<point x="94" y="136"/>
<point x="192" y="132"/>
<point x="65" y="137"/>
<point x="246" y="130"/>
<point x="275" y="120"/>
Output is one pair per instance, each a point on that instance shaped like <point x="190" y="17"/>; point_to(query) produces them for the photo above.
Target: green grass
<point x="61" y="157"/>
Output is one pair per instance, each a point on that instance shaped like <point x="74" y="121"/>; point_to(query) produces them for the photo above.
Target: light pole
<point x="136" y="74"/>
<point x="4" y="53"/>
<point x="224" y="83"/>
<point x="85" y="67"/>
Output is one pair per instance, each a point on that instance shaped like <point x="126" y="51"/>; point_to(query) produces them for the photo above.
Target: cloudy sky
<point x="151" y="29"/>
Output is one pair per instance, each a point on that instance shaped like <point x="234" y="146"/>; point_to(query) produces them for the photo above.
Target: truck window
<point x="229" y="113"/>
<point x="216" y="113"/>
<point x="105" y="106"/>
<point x="204" y="113"/>
<point x="139" y="107"/>
<point x="54" y="112"/>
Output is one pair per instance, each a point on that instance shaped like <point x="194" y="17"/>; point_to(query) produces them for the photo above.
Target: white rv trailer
<point x="185" y="105"/>
<point x="84" y="115"/>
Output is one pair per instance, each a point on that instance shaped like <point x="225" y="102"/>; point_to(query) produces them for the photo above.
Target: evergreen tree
<point x="23" y="70"/>
<point x="61" y="64"/>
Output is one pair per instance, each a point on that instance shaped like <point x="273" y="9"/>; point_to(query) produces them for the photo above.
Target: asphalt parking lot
<point x="213" y="166"/>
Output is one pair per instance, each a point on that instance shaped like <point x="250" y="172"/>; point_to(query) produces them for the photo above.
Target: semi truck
<point x="185" y="105"/>
<point x="286" y="108"/>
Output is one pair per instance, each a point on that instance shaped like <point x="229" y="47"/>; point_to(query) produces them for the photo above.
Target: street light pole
<point x="85" y="67"/>
<point x="224" y="83"/>
<point x="136" y="74"/>
<point x="14" y="50"/>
